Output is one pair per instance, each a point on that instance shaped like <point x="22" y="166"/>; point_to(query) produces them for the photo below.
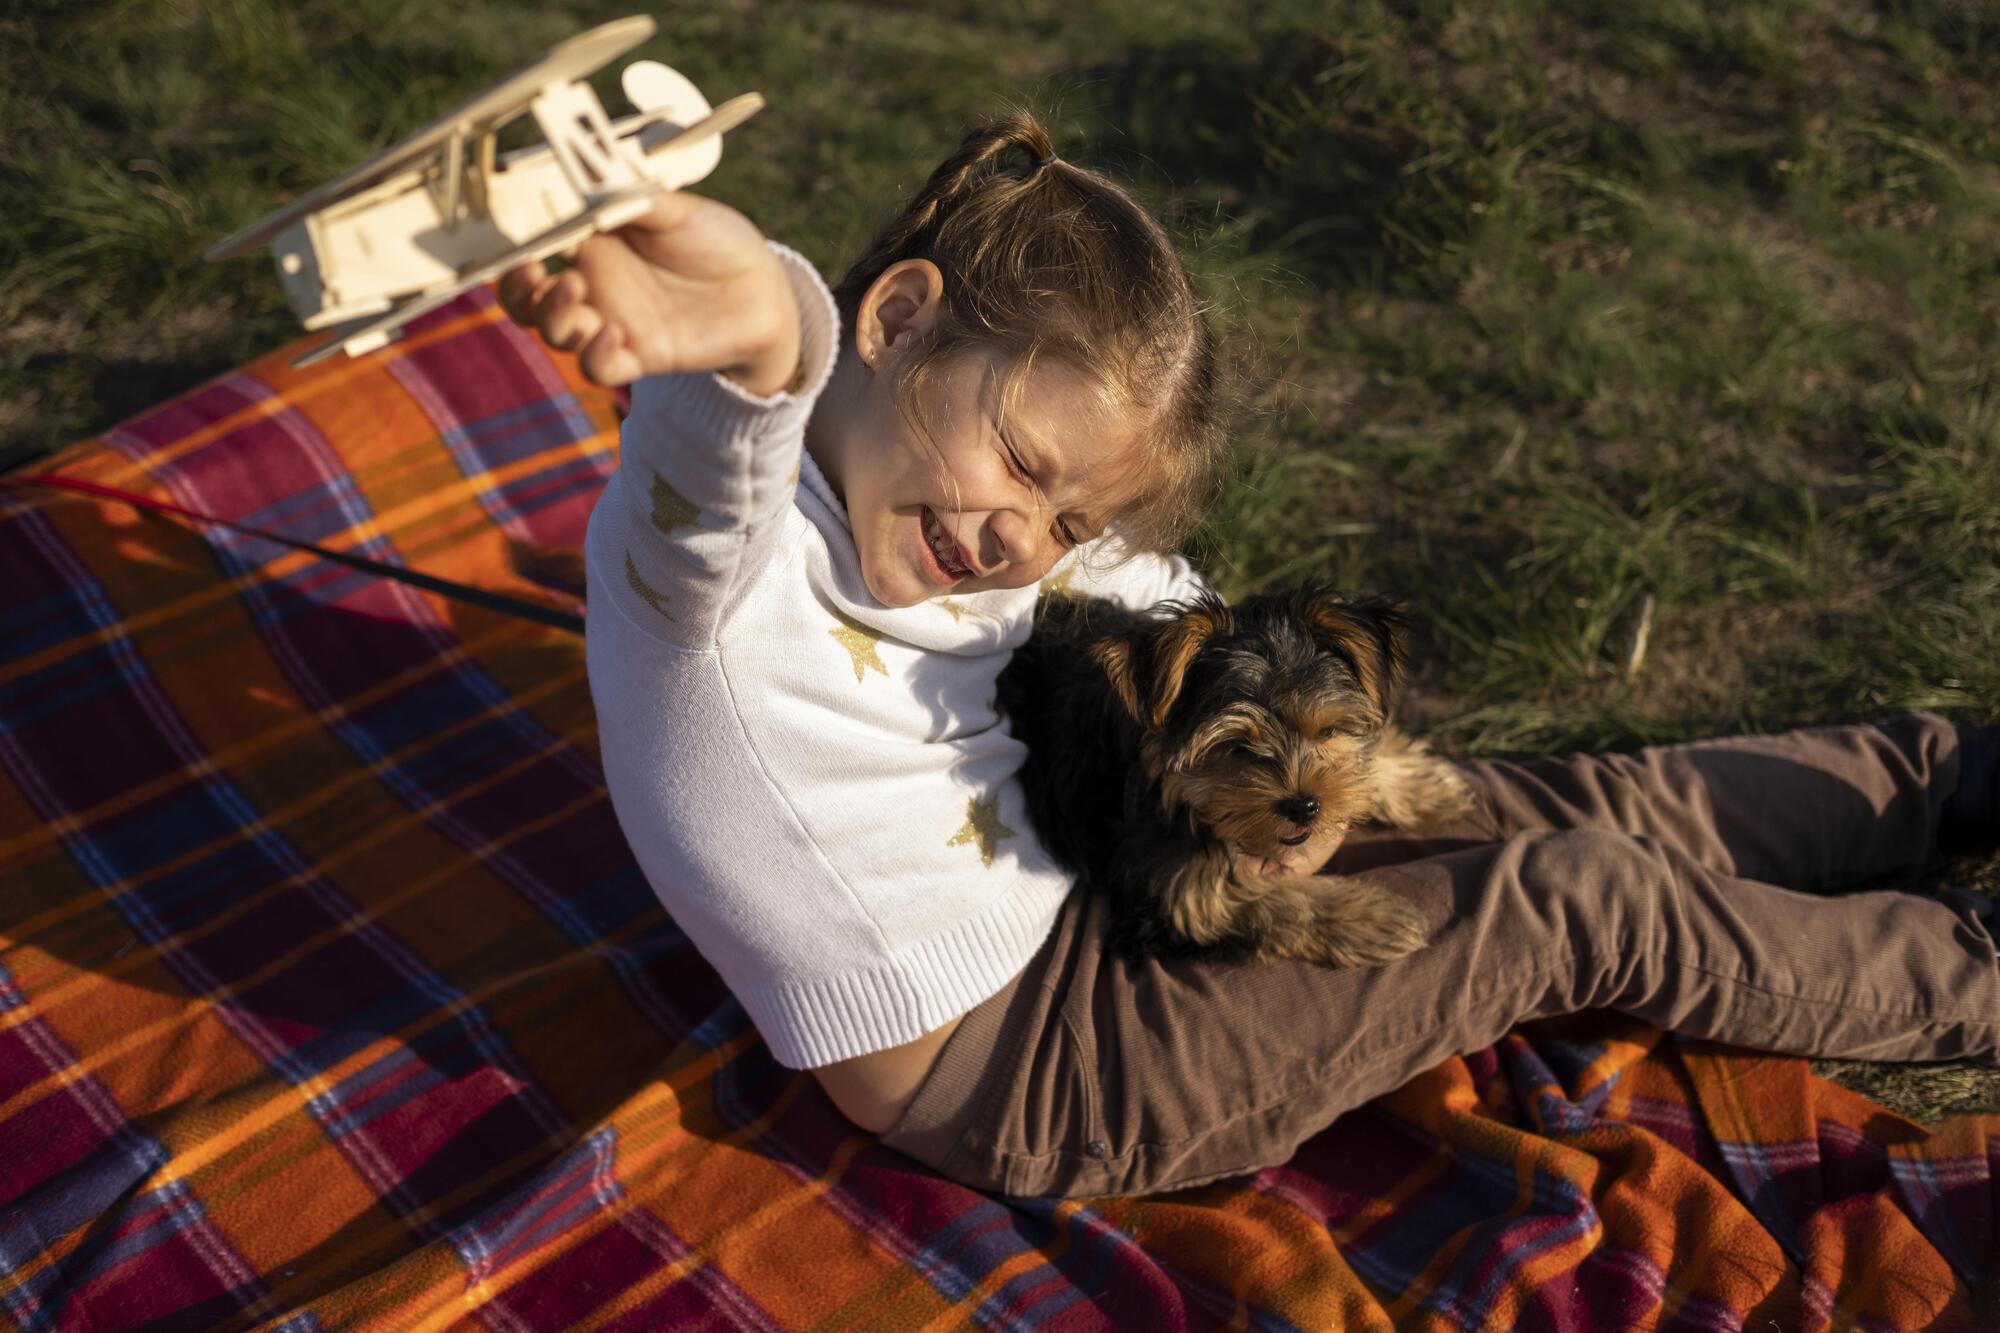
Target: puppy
<point x="1199" y="761"/>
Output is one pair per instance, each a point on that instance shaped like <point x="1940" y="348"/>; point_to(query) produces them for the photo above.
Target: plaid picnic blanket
<point x="331" y="996"/>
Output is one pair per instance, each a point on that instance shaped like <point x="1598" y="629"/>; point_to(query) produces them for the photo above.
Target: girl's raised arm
<point x="708" y="462"/>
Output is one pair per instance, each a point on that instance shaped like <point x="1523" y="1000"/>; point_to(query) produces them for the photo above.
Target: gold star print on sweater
<point x="656" y="600"/>
<point x="671" y="509"/>
<point x="859" y="641"/>
<point x="1057" y="586"/>
<point x="982" y="826"/>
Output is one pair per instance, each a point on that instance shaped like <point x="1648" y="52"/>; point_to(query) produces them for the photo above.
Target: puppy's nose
<point x="1299" y="809"/>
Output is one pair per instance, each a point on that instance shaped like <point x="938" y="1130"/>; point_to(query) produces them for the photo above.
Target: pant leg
<point x="1817" y="808"/>
<point x="1091" y="1075"/>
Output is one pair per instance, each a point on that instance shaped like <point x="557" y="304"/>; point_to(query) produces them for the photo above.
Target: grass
<point x="1555" y="318"/>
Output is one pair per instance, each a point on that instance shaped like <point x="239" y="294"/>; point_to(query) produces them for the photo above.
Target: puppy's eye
<point x="1241" y="751"/>
<point x="1328" y="733"/>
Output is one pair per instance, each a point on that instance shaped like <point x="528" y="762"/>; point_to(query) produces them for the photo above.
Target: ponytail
<point x="965" y="170"/>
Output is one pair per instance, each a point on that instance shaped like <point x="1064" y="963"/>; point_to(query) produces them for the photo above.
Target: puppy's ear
<point x="1115" y="655"/>
<point x="1147" y="667"/>
<point x="1369" y="632"/>
<point x="1175" y="646"/>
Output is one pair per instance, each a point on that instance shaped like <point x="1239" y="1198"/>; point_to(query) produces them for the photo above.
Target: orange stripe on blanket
<point x="18" y="851"/>
<point x="646" y="1152"/>
<point x="1383" y="1206"/>
<point x="1291" y="1252"/>
<point x="1556" y="1260"/>
<point x="83" y="988"/>
<point x="290" y="392"/>
<point x="784" y="1201"/>
<point x="1867" y="1263"/>
<point x="1403" y="1308"/>
<point x="53" y="1252"/>
<point x="32" y="981"/>
<point x="660" y="1098"/>
<point x="292" y="561"/>
<point x="190" y="1160"/>
<point x="645" y="1160"/>
<point x="291" y="1102"/>
<point x="958" y="1314"/>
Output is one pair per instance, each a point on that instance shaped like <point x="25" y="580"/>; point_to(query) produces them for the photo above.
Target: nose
<point x="1015" y="537"/>
<point x="1299" y="808"/>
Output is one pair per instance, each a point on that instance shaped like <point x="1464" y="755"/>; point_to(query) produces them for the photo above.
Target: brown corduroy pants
<point x="1647" y="883"/>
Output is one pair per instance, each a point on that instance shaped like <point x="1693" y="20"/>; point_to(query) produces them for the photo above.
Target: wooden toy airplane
<point x="440" y="212"/>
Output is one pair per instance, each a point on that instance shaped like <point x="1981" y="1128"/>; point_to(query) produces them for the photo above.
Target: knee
<point x="1603" y="875"/>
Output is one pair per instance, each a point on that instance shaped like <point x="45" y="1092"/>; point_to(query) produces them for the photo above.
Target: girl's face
<point x="993" y="499"/>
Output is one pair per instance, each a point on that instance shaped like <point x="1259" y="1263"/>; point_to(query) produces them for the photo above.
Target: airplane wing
<point x="725" y="117"/>
<point x="370" y="332"/>
<point x="574" y="59"/>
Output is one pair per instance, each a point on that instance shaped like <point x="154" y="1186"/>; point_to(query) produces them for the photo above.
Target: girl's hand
<point x="689" y="286"/>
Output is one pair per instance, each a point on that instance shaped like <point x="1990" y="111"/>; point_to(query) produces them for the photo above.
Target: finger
<point x="587" y="324"/>
<point x="560" y="313"/>
<point x="690" y="235"/>
<point x="670" y="209"/>
<point x="529" y="304"/>
<point x="517" y="287"/>
<point x="606" y="359"/>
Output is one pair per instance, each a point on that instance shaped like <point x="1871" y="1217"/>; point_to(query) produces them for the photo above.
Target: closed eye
<point x="1020" y="472"/>
<point x="1015" y="465"/>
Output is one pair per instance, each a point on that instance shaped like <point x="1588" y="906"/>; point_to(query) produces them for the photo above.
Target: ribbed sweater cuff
<point x="712" y="408"/>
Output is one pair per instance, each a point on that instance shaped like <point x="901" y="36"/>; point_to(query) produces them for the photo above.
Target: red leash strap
<point x="491" y="601"/>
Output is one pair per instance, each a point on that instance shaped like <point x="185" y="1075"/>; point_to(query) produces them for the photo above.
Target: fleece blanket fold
<point x="331" y="997"/>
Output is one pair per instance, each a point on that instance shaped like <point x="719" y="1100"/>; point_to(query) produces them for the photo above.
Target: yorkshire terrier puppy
<point x="1200" y="761"/>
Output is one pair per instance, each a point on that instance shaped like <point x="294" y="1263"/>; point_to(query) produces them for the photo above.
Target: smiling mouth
<point x="943" y="547"/>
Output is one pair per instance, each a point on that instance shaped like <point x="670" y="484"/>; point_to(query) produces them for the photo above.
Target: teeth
<point x="942" y="546"/>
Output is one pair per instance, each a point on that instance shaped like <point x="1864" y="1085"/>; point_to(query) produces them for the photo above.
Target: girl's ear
<point x="905" y="300"/>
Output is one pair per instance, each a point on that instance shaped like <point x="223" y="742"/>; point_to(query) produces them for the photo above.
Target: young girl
<point x="832" y="517"/>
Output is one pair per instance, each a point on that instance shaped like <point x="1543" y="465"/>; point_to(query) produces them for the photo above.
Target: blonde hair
<point x="1042" y="258"/>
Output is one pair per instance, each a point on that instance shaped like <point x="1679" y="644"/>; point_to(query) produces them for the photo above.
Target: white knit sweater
<point x="816" y="785"/>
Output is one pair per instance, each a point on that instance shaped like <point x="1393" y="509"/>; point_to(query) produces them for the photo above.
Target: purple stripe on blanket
<point x="1780" y="1183"/>
<point x="542" y="1208"/>
<point x="50" y="717"/>
<point x="162" y="1249"/>
<point x="38" y="618"/>
<point x="1952" y="1203"/>
<point x="495" y="400"/>
<point x="270" y="458"/>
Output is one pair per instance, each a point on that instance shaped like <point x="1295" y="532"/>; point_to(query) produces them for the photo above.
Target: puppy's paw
<point x="1416" y="791"/>
<point x="1358" y="925"/>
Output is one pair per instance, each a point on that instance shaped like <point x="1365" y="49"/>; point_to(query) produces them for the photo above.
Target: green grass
<point x="1546" y="313"/>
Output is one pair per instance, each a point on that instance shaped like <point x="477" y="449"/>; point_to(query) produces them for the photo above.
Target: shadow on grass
<point x="1325" y="183"/>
